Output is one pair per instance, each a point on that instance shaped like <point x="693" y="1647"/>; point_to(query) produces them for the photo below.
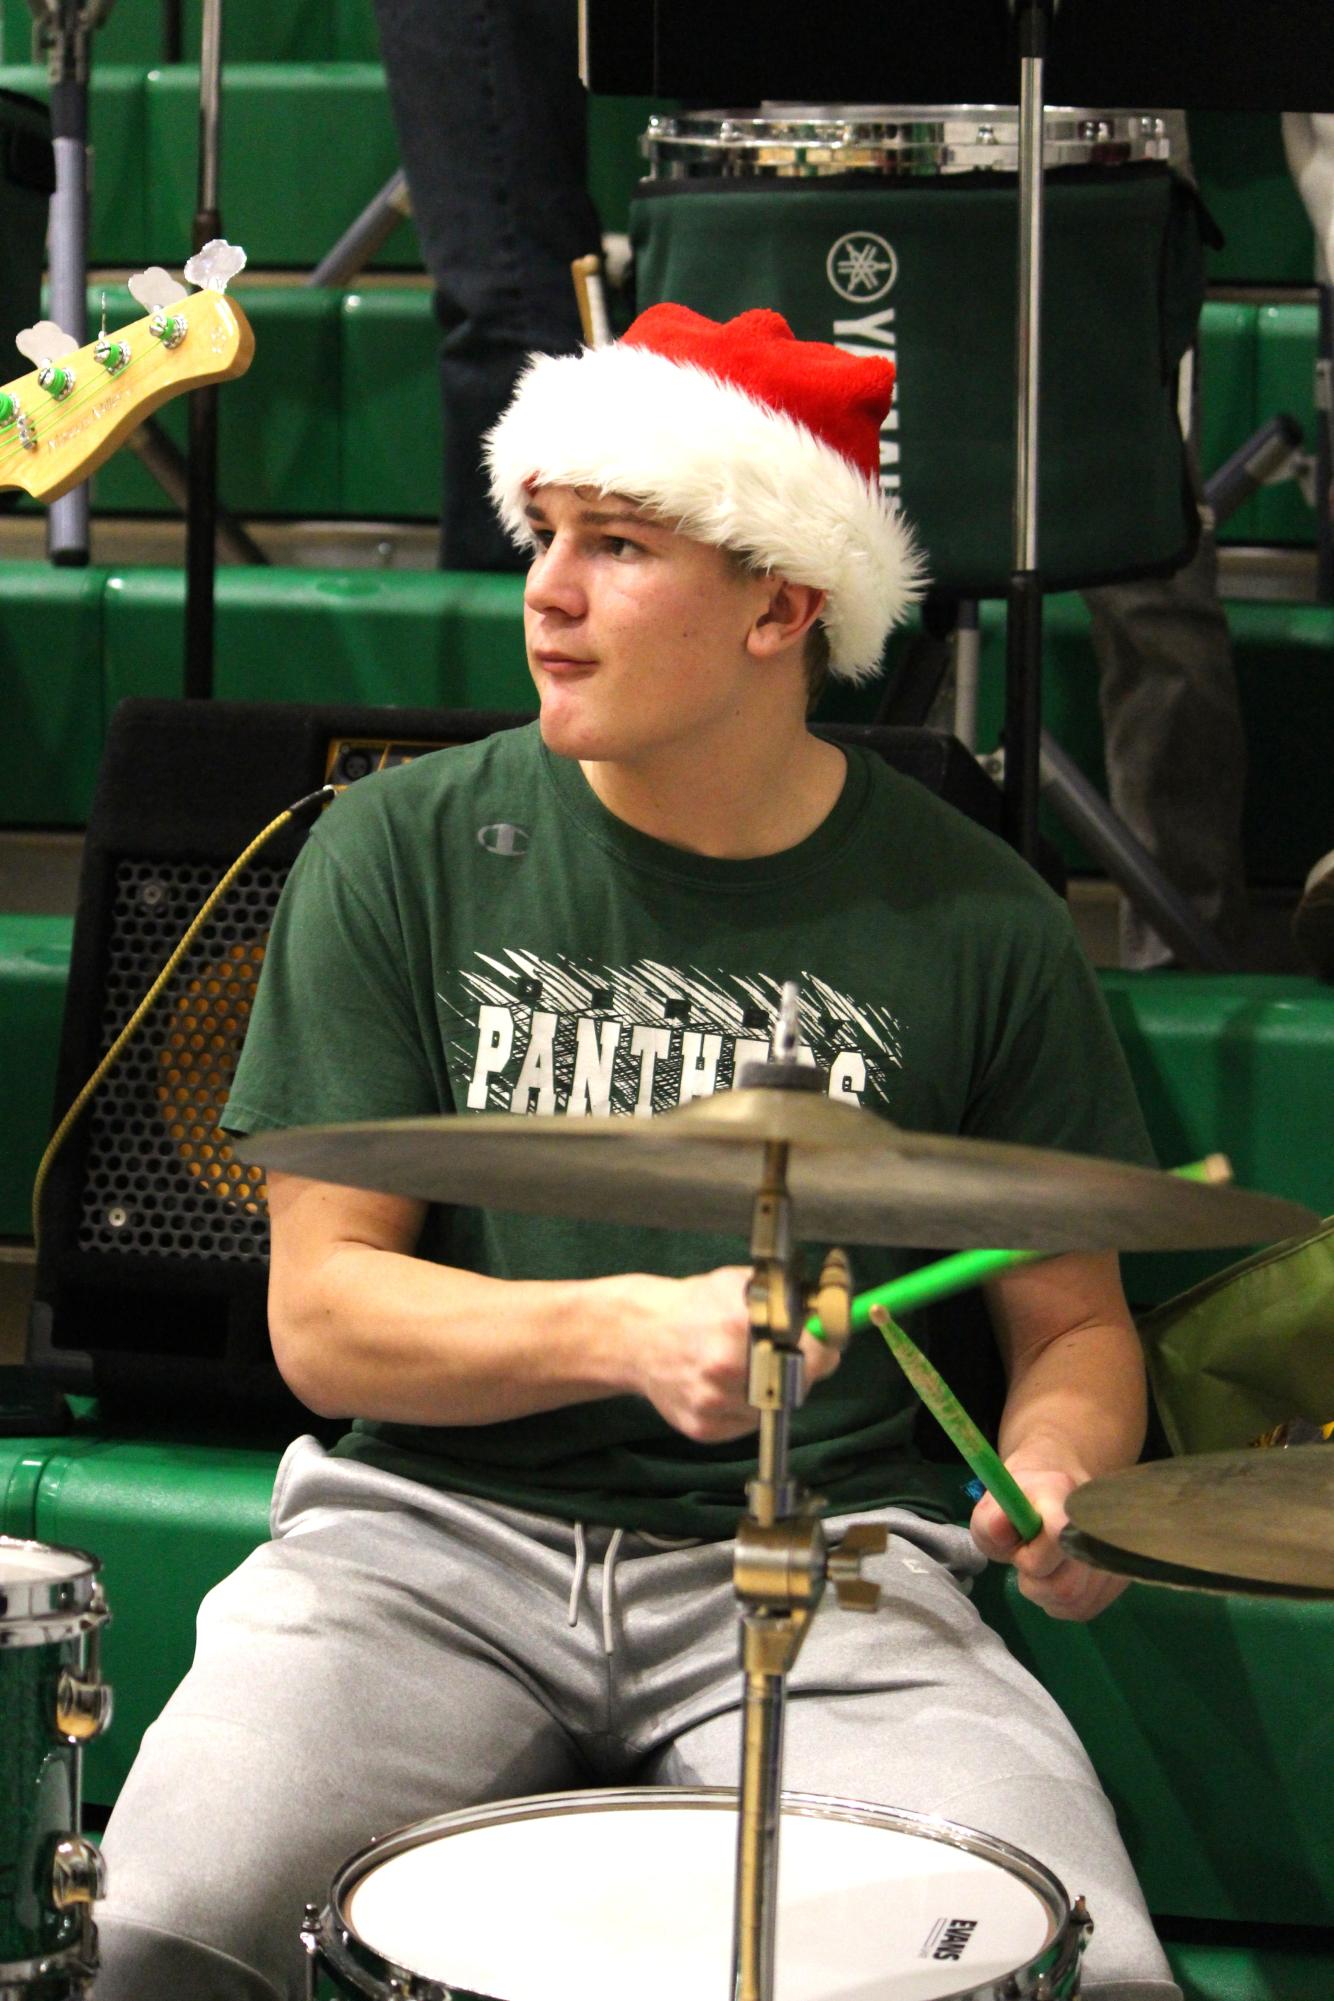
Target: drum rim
<point x="779" y="112"/>
<point x="334" y="1937"/>
<point x="61" y="1607"/>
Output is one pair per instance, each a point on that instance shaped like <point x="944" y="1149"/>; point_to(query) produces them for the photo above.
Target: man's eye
<point x="620" y="546"/>
<point x="541" y="537"/>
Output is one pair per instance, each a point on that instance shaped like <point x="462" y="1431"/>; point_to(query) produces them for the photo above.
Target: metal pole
<point x="201" y="522"/>
<point x="1023" y="684"/>
<point x="67" y="518"/>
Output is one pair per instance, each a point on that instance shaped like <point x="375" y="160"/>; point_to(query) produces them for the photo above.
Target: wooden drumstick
<point x="587" y="275"/>
<point x="959" y="1428"/>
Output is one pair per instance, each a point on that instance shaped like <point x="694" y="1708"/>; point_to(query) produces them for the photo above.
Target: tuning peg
<point x="45" y="344"/>
<point x="214" y="267"/>
<point x="113" y="355"/>
<point x="156" y="289"/>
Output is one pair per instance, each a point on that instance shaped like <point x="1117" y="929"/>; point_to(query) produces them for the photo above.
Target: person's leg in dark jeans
<point x="491" y="124"/>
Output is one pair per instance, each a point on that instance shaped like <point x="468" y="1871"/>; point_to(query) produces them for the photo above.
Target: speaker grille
<point x="161" y="1178"/>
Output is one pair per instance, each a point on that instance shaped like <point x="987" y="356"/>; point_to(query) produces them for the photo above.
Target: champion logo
<point x="503" y="838"/>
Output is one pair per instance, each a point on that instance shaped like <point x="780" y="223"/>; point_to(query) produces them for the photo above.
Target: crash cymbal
<point x="1254" y="1521"/>
<point x="854" y="1178"/>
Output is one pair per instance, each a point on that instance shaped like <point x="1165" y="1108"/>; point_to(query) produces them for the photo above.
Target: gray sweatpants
<point x="394" y="1653"/>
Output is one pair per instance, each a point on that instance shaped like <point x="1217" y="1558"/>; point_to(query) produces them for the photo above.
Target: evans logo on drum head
<point x="949" y="1938"/>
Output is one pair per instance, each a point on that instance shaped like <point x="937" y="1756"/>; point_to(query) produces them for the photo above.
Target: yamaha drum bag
<point x="894" y="231"/>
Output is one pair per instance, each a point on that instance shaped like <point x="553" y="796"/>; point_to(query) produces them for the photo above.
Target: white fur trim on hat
<point x="723" y="467"/>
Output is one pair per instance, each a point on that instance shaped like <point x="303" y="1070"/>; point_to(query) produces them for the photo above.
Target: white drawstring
<point x="608" y="1573"/>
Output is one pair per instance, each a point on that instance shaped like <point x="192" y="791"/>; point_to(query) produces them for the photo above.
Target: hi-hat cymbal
<point x="854" y="1178"/>
<point x="1256" y="1521"/>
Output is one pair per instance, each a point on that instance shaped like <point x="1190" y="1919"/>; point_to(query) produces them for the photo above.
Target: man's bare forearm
<point x="385" y="1334"/>
<point x="1078" y="1404"/>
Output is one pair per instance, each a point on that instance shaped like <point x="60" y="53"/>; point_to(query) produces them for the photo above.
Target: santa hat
<point x="739" y="434"/>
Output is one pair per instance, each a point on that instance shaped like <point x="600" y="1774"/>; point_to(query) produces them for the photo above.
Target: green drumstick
<point x="959" y="1428"/>
<point x="967" y="1268"/>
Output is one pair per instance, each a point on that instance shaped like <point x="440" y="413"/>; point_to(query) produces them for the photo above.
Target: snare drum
<point x="893" y="230"/>
<point x="601" y="1896"/>
<point x="52" y="1700"/>
<point x="801" y="141"/>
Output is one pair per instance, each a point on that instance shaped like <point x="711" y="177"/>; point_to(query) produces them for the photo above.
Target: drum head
<point x="602" y="1896"/>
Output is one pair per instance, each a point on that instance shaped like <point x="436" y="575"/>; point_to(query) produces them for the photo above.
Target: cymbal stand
<point x="782" y="1559"/>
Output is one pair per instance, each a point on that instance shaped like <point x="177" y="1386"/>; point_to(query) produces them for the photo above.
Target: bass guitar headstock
<point x="59" y="422"/>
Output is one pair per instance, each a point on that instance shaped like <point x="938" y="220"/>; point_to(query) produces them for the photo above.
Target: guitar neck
<point x="49" y="444"/>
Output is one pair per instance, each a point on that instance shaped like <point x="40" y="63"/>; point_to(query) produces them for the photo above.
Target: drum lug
<point x="78" y="1873"/>
<point x="310" y="1940"/>
<point x="83" y="1707"/>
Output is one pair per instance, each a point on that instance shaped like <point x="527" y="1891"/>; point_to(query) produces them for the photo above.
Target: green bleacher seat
<point x="390" y="414"/>
<point x="305" y="146"/>
<point x="431" y="639"/>
<point x="34" y="972"/>
<point x="51" y="672"/>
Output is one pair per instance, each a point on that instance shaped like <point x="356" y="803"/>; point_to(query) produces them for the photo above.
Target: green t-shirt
<point x="475" y="932"/>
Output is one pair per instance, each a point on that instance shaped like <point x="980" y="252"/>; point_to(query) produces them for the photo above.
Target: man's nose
<point x="555" y="580"/>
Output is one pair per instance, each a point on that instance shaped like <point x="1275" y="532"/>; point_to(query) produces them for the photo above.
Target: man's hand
<point x="689" y="1352"/>
<point x="1063" y="1587"/>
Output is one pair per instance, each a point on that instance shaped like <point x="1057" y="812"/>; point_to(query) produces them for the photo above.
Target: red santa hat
<point x="739" y="434"/>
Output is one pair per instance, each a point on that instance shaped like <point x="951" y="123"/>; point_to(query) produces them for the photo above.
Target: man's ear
<point x="787" y="615"/>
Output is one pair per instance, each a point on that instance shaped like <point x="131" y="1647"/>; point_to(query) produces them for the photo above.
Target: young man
<point x="513" y="1576"/>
